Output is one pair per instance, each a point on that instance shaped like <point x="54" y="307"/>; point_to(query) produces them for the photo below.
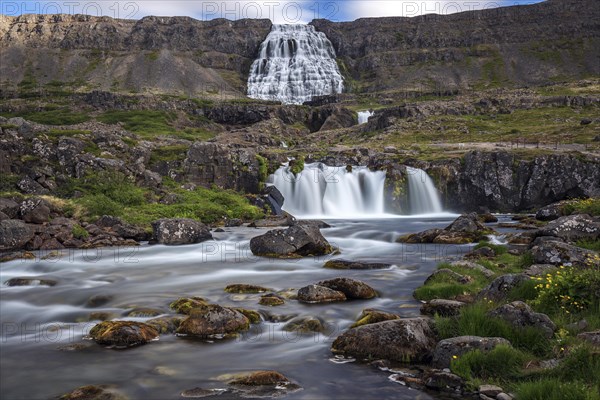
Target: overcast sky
<point x="300" y="11"/>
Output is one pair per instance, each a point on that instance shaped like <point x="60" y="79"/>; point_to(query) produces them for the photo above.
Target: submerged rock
<point x="346" y="264"/>
<point x="352" y="288"/>
<point x="213" y="320"/>
<point x="305" y="325"/>
<point x="144" y="312"/>
<point x="271" y="300"/>
<point x="296" y="241"/>
<point x="30" y="281"/>
<point x="319" y="294"/>
<point x="180" y="231"/>
<point x="253" y="316"/>
<point x="93" y="392"/>
<point x="260" y="378"/>
<point x="245" y="288"/>
<point x="263" y="384"/>
<point x="465" y="229"/>
<point x="165" y="324"/>
<point x="371" y="316"/>
<point x="521" y="315"/>
<point x="403" y="340"/>
<point x="446" y="349"/>
<point x="123" y="333"/>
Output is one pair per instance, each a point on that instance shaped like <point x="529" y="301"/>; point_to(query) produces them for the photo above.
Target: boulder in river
<point x="263" y="384"/>
<point x="295" y="241"/>
<point x="304" y="325"/>
<point x="185" y="305"/>
<point x="347" y="264"/>
<point x="93" y="392"/>
<point x="213" y="320"/>
<point x="403" y="340"/>
<point x="30" y="281"/>
<point x="465" y="229"/>
<point x="178" y="231"/>
<point x="245" y="288"/>
<point x="352" y="288"/>
<point x="123" y="334"/>
<point x="319" y="294"/>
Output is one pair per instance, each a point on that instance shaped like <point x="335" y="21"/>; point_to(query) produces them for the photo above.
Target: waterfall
<point x="321" y="190"/>
<point x="423" y="197"/>
<point x="363" y="116"/>
<point x="295" y="64"/>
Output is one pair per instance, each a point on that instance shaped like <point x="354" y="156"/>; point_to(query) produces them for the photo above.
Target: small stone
<point x="260" y="378"/>
<point x="271" y="300"/>
<point x="93" y="392"/>
<point x="245" y="288"/>
<point x="490" y="390"/>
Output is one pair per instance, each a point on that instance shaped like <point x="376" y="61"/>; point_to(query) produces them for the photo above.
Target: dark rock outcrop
<point x="296" y="241"/>
<point x="500" y="287"/>
<point x="179" y="231"/>
<point x="402" y="340"/>
<point x="573" y="228"/>
<point x="557" y="252"/>
<point x="465" y="229"/>
<point x="14" y="234"/>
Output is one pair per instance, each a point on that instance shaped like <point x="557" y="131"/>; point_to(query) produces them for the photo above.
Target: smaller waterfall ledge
<point x="423" y="197"/>
<point x="295" y="64"/>
<point x="363" y="116"/>
<point x="325" y="191"/>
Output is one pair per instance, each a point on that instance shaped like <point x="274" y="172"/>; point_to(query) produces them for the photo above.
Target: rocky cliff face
<point x="176" y="54"/>
<point x="524" y="45"/>
<point x="499" y="181"/>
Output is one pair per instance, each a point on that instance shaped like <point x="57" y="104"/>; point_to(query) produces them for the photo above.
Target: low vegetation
<point x="567" y="295"/>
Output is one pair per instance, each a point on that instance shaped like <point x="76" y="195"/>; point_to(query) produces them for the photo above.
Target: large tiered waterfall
<point x="331" y="191"/>
<point x="423" y="197"/>
<point x="295" y="64"/>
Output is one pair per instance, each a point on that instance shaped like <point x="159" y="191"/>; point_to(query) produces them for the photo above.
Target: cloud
<point x="279" y="11"/>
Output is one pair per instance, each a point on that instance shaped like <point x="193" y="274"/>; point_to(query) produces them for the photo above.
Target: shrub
<point x="263" y="169"/>
<point x="588" y="206"/>
<point x="503" y="362"/>
<point x="79" y="232"/>
<point x="568" y="290"/>
<point x="582" y="363"/>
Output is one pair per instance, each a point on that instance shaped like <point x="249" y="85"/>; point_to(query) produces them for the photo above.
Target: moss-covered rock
<point x="185" y="305"/>
<point x="165" y="325"/>
<point x="123" y="333"/>
<point x="93" y="392"/>
<point x="213" y="320"/>
<point x="271" y="300"/>
<point x="305" y="325"/>
<point x="253" y="316"/>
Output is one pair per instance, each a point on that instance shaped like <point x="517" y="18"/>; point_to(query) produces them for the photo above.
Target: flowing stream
<point x="37" y="321"/>
<point x="295" y="64"/>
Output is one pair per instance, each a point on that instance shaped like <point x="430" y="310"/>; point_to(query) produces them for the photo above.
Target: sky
<point x="279" y="11"/>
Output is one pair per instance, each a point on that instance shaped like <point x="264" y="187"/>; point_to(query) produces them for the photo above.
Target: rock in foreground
<point x="403" y="340"/>
<point x="180" y="231"/>
<point x="123" y="333"/>
<point x="296" y="241"/>
<point x="319" y="294"/>
<point x="446" y="349"/>
<point x="93" y="392"/>
<point x="352" y="288"/>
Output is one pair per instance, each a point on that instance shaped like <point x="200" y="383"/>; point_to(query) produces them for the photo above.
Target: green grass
<point x="146" y="123"/>
<point x="502" y="363"/>
<point x="589" y="244"/>
<point x="168" y="153"/>
<point x="475" y="321"/>
<point x="56" y="133"/>
<point x="587" y="206"/>
<point x="553" y="389"/>
<point x="79" y="232"/>
<point x="114" y="194"/>
<point x="52" y="116"/>
<point x="498" y="249"/>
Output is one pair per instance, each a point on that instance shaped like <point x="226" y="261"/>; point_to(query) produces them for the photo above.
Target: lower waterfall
<point x="349" y="192"/>
<point x="423" y="197"/>
<point x="321" y="190"/>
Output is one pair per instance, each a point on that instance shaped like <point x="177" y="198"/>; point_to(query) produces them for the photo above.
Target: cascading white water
<point x="295" y="64"/>
<point x="331" y="191"/>
<point x="363" y="116"/>
<point x="423" y="197"/>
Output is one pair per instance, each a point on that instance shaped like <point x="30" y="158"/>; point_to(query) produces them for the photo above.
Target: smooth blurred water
<point x="37" y="320"/>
